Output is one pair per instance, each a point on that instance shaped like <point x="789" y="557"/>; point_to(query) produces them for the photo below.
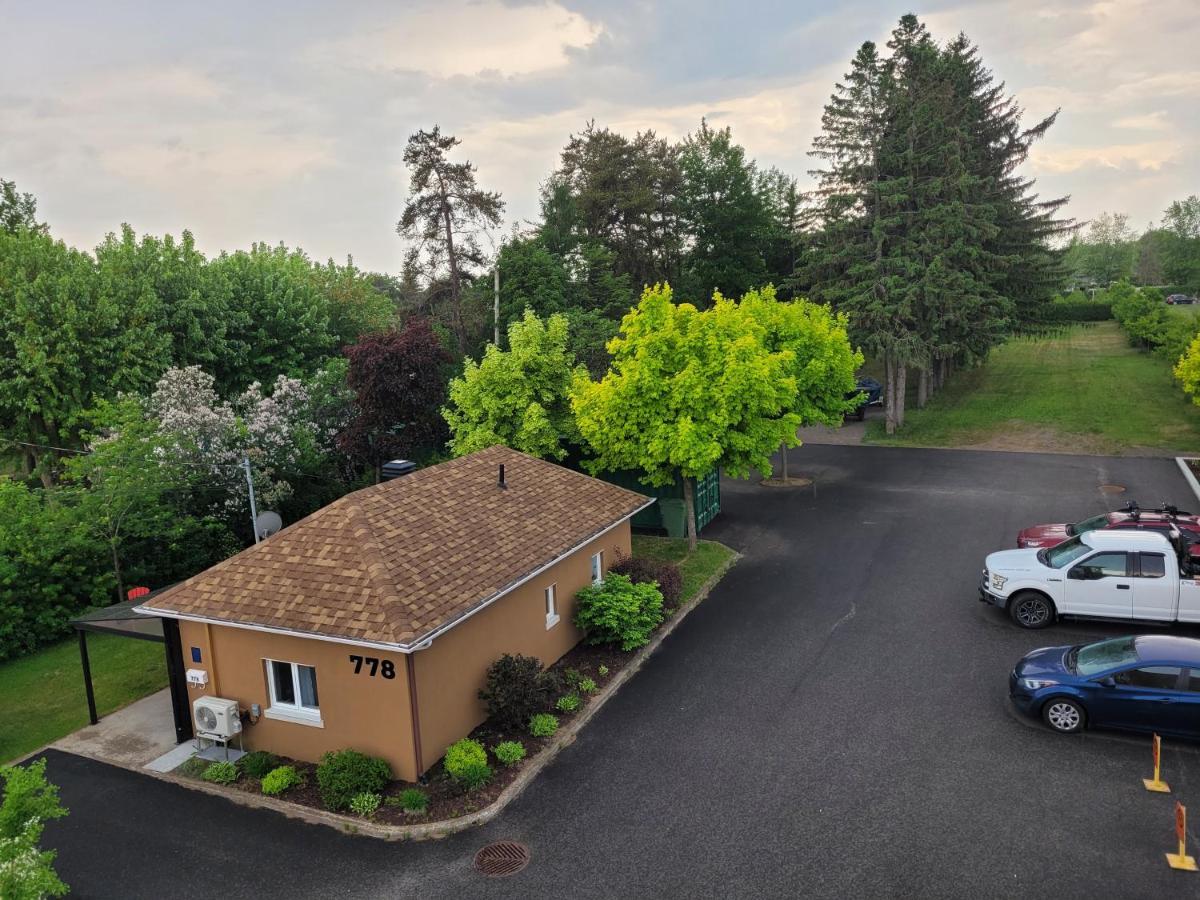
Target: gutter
<point x="422" y="643"/>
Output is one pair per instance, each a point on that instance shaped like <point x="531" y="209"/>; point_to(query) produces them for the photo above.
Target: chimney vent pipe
<point x="501" y="481"/>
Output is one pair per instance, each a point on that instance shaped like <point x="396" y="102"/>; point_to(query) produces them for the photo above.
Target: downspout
<point x="411" y="670"/>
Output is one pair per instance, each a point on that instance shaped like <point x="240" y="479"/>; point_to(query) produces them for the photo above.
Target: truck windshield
<point x="1105" y="655"/>
<point x="1065" y="553"/>
<point x="1090" y="524"/>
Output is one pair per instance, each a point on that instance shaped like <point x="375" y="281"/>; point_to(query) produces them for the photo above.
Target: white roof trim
<point x="421" y="643"/>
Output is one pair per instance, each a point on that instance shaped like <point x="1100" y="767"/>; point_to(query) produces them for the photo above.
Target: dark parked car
<point x="1180" y="300"/>
<point x="1142" y="683"/>
<point x="871" y="392"/>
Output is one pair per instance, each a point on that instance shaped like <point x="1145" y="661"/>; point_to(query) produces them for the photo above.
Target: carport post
<point x="87" y="676"/>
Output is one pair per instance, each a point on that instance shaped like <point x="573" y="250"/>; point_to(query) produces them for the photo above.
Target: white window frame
<point x="597" y="567"/>
<point x="291" y="712"/>
<point x="550" y="595"/>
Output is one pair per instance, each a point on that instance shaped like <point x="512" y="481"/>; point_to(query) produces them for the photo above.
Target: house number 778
<point x="386" y="668"/>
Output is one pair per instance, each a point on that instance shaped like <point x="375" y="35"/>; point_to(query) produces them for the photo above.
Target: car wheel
<point x="1064" y="715"/>
<point x="1031" y="610"/>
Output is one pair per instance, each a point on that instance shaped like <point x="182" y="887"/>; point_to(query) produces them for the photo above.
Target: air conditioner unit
<point x="216" y="719"/>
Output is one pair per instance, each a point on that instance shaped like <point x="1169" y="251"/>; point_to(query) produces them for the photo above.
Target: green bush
<point x="193" y="767"/>
<point x="27" y="871"/>
<point x="567" y="703"/>
<point x="571" y="677"/>
<point x="1065" y="310"/>
<point x="345" y="773"/>
<point x="666" y="575"/>
<point x="602" y="671"/>
<point x="258" y="763"/>
<point x="509" y="752"/>
<point x="365" y="804"/>
<point x="411" y="800"/>
<point x="543" y="725"/>
<point x="515" y="689"/>
<point x="588" y="685"/>
<point x="221" y="773"/>
<point x="617" y="611"/>
<point x="466" y="763"/>
<point x="281" y="779"/>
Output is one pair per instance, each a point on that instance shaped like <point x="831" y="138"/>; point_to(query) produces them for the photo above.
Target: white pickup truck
<point x="1107" y="574"/>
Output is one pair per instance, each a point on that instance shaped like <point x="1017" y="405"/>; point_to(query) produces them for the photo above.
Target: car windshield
<point x="1105" y="655"/>
<point x="1065" y="553"/>
<point x="1087" y="525"/>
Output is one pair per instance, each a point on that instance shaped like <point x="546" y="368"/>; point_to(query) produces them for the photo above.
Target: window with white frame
<point x="598" y="567"/>
<point x="293" y="689"/>
<point x="551" y="606"/>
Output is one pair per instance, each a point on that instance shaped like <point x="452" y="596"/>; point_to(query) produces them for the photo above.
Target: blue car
<point x="1142" y="683"/>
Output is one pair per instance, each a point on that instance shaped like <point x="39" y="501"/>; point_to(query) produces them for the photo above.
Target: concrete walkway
<point x="132" y="736"/>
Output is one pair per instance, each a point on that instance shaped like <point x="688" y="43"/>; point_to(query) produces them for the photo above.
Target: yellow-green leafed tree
<point x="688" y="391"/>
<point x="517" y="397"/>
<point x="1187" y="371"/>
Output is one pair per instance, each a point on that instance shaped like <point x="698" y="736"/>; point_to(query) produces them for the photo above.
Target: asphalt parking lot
<point x="831" y="722"/>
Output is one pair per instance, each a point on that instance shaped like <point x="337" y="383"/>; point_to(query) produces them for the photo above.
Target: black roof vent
<point x="396" y="468"/>
<point x="500" y="482"/>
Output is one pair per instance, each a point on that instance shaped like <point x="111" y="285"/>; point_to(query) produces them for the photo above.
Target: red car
<point x="1167" y="519"/>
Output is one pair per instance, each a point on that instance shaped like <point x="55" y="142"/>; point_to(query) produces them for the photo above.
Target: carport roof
<point x="395" y="564"/>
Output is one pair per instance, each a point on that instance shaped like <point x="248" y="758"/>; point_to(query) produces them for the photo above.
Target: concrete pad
<point x="172" y="759"/>
<point x="133" y="736"/>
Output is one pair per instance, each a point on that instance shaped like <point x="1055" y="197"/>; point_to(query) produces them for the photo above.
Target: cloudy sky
<point x="286" y="121"/>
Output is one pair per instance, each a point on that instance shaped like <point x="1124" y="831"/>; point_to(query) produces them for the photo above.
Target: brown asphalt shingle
<point x="393" y="562"/>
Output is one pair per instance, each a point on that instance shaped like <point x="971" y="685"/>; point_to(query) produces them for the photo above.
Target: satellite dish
<point x="267" y="524"/>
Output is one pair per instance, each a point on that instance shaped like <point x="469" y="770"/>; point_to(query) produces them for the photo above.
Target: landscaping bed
<point x="586" y="665"/>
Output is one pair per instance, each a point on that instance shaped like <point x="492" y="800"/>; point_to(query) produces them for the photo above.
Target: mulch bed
<point x="446" y="799"/>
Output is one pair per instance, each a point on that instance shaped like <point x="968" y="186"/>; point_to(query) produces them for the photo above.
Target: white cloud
<point x="1148" y="156"/>
<point x="1151" y="121"/>
<point x="460" y="38"/>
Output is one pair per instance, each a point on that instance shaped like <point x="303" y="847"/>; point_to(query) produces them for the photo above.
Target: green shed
<point x="668" y="513"/>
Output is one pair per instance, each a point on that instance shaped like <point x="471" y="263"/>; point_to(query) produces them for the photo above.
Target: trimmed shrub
<point x="642" y="570"/>
<point x="466" y="763"/>
<point x="346" y="773"/>
<point x="221" y="773"/>
<point x="515" y="689"/>
<point x="543" y="725"/>
<point x="509" y="752"/>
<point x="365" y="804"/>
<point x="281" y="779"/>
<point x="567" y="703"/>
<point x="194" y="767"/>
<point x="411" y="800"/>
<point x="258" y="763"/>
<point x="588" y="685"/>
<point x="617" y="611"/>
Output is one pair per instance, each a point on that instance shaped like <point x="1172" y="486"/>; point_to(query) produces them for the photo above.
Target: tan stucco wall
<point x="450" y="673"/>
<point x="357" y="711"/>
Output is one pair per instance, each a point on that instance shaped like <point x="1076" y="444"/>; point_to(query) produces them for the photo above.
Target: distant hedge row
<point x="1072" y="309"/>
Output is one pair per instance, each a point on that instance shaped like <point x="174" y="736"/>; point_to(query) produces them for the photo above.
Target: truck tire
<point x="1032" y="610"/>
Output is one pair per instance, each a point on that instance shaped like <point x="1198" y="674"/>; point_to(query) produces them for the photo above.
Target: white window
<point x="597" y="567"/>
<point x="551" y="607"/>
<point x="293" y="690"/>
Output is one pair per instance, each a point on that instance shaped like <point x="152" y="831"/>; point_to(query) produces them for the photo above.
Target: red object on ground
<point x="135" y="592"/>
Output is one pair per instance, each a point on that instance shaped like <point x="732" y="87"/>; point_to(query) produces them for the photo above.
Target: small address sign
<point x="386" y="668"/>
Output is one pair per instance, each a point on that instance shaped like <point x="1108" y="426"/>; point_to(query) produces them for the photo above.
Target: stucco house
<point x="370" y="624"/>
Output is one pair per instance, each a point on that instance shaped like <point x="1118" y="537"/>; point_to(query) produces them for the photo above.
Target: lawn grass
<point x="696" y="568"/>
<point x="42" y="696"/>
<point x="1080" y="390"/>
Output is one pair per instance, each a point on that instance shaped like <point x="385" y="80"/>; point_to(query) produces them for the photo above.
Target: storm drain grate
<point x="1112" y="488"/>
<point x="502" y="858"/>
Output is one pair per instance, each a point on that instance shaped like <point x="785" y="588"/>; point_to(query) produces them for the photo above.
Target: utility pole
<point x="496" y="305"/>
<point x="250" y="485"/>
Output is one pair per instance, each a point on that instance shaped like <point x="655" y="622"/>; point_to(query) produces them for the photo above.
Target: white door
<point x="1153" y="590"/>
<point x="1100" y="586"/>
<point x="1189" y="600"/>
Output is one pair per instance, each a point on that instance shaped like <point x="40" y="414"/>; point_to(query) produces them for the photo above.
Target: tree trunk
<point x="116" y="561"/>
<point x="783" y="453"/>
<point x="689" y="510"/>
<point x="889" y="400"/>
<point x="922" y="386"/>
<point x="901" y="386"/>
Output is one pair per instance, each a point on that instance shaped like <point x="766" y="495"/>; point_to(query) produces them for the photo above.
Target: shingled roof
<point x="393" y="563"/>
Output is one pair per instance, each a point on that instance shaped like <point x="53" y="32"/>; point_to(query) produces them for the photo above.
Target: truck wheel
<point x="1064" y="715"/>
<point x="1031" y="610"/>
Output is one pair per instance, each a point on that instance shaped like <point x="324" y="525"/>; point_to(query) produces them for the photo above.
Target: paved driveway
<point x="831" y="722"/>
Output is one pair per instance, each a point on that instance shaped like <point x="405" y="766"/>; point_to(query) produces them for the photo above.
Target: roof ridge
<point x="373" y="561"/>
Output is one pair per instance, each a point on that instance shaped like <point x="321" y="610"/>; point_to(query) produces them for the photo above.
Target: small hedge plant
<point x="466" y="763"/>
<point x="345" y="773"/>
<point x="411" y="800"/>
<point x="602" y="671"/>
<point x="588" y="685"/>
<point x="617" y="611"/>
<point x="509" y="752"/>
<point x="515" y="689"/>
<point x="365" y="804"/>
<point x="567" y="703"/>
<point x="543" y="725"/>
<point x="221" y="773"/>
<point x="281" y="779"/>
<point x="642" y="570"/>
<point x="258" y="763"/>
